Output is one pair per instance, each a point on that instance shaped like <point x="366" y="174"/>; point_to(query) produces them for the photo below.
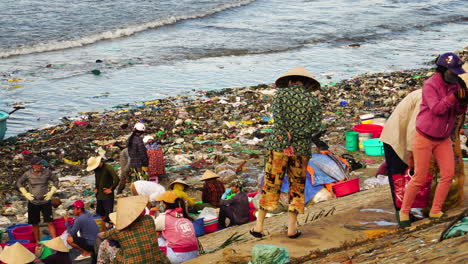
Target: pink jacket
<point x="177" y="230"/>
<point x="439" y="108"/>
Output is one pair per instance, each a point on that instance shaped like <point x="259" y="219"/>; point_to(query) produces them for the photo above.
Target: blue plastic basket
<point x="3" y="124"/>
<point x="11" y="242"/>
<point x="199" y="227"/>
<point x="10" y="230"/>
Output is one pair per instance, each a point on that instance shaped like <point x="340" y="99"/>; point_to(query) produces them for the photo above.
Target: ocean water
<point x="147" y="49"/>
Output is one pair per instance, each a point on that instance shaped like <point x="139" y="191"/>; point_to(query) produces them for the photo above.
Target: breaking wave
<point x="114" y="34"/>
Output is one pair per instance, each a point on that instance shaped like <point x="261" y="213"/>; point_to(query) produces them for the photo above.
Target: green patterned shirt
<point x="297" y="111"/>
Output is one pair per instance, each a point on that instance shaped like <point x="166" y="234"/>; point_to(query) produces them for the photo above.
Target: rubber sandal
<point x="402" y="224"/>
<point x="298" y="234"/>
<point x="444" y="215"/>
<point x="256" y="234"/>
<point x="81" y="257"/>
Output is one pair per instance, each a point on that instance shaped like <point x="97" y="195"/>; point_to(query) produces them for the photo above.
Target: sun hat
<point x="208" y="175"/>
<point x="451" y="61"/>
<point x="283" y="80"/>
<point x="56" y="244"/>
<point x="128" y="210"/>
<point x="17" y="254"/>
<point x="113" y="217"/>
<point x="168" y="197"/>
<point x="147" y="138"/>
<point x="78" y="204"/>
<point x="464" y="76"/>
<point x="178" y="181"/>
<point x="93" y="163"/>
<point x="35" y="161"/>
<point x="139" y="127"/>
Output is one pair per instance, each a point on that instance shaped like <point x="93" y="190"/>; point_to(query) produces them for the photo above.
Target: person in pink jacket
<point x="176" y="229"/>
<point x="442" y="99"/>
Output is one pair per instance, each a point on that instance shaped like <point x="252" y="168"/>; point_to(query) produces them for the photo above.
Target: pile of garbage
<point x="221" y="130"/>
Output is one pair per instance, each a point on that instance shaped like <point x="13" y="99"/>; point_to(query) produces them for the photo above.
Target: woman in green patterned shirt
<point x="297" y="115"/>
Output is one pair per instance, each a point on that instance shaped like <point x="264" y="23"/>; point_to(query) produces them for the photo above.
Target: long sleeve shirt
<point x="38" y="184"/>
<point x="87" y="227"/>
<point x="138" y="243"/>
<point x="438" y="109"/>
<point x="297" y="111"/>
<point x="400" y="127"/>
<point x="105" y="178"/>
<point x="240" y="207"/>
<point x="212" y="192"/>
<point x="137" y="152"/>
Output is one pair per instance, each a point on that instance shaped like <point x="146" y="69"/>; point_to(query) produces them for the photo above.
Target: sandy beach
<point x="221" y="129"/>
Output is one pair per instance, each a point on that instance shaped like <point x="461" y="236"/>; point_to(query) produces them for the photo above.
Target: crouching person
<point x="176" y="228"/>
<point x="134" y="231"/>
<point x="235" y="208"/>
<point x="85" y="224"/>
<point x="61" y="255"/>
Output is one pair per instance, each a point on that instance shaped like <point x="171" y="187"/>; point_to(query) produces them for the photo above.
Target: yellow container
<point x="367" y="118"/>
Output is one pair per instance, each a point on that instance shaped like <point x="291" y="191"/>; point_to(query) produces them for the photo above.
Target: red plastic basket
<point x="376" y="130"/>
<point x="210" y="226"/>
<point x="23" y="233"/>
<point x="346" y="187"/>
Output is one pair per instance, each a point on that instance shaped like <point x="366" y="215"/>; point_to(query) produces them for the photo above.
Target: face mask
<point x="450" y="77"/>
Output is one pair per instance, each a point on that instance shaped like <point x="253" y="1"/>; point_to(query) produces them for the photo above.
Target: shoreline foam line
<point x="114" y="34"/>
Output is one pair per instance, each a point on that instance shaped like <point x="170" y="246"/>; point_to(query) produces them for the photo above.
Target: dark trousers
<point x="225" y="212"/>
<point x="395" y="166"/>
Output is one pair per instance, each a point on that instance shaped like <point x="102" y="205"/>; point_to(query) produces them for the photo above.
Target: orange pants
<point x="423" y="148"/>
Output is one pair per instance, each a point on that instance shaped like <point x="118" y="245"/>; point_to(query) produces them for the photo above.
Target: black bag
<point x="353" y="164"/>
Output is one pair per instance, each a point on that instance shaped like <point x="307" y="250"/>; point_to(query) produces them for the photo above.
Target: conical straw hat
<point x="128" y="209"/>
<point x="17" y="254"/>
<point x="283" y="80"/>
<point x="208" y="175"/>
<point x="178" y="181"/>
<point x="93" y="163"/>
<point x="464" y="76"/>
<point x="113" y="217"/>
<point x="56" y="244"/>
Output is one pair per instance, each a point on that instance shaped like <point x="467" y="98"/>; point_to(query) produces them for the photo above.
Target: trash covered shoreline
<point x="222" y="130"/>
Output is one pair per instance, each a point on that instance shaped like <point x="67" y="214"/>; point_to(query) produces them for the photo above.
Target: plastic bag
<point x="267" y="254"/>
<point x="328" y="166"/>
<point x="399" y="185"/>
<point x="208" y="213"/>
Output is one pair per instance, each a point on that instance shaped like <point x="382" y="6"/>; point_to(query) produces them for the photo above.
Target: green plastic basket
<point x="373" y="147"/>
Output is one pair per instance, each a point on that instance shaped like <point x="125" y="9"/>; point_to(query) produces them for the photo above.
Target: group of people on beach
<point x="154" y="225"/>
<point x="423" y="135"/>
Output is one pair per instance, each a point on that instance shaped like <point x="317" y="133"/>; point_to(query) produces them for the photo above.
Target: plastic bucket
<point x="45" y="251"/>
<point x="30" y="246"/>
<point x="373" y="147"/>
<point x="11" y="242"/>
<point x="10" y="229"/>
<point x="198" y="225"/>
<point x="352" y="141"/>
<point x="210" y="225"/>
<point x="363" y="137"/>
<point x="376" y="130"/>
<point x="24" y="233"/>
<point x="367" y="118"/>
<point x="346" y="187"/>
<point x="98" y="219"/>
<point x="3" y="124"/>
<point x="59" y="224"/>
